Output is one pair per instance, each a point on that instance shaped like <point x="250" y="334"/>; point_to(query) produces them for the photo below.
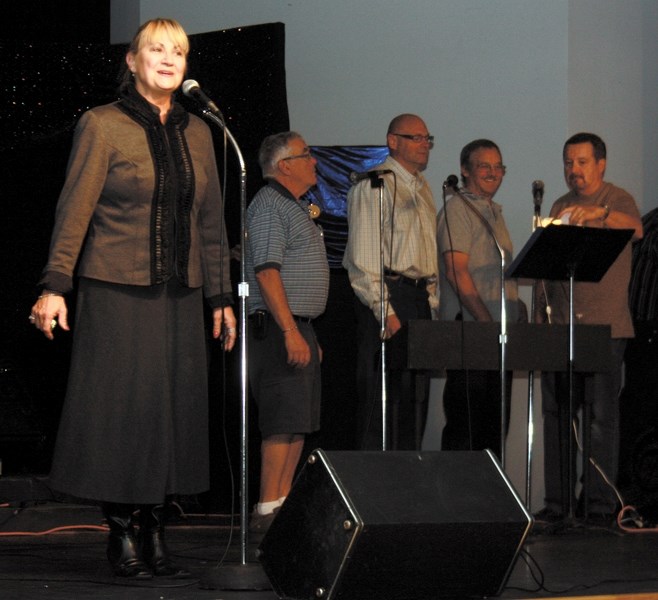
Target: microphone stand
<point x="572" y="355"/>
<point x="536" y="222"/>
<point x="243" y="575"/>
<point x="376" y="181"/>
<point x="502" y="338"/>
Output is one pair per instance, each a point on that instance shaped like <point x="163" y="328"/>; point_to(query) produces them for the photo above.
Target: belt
<point x="302" y="319"/>
<point x="421" y="283"/>
<point x="268" y="315"/>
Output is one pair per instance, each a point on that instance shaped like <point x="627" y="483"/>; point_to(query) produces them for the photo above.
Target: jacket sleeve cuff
<point x="55" y="282"/>
<point x="220" y="301"/>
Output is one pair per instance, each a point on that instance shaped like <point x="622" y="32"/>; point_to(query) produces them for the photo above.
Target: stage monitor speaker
<point x="395" y="525"/>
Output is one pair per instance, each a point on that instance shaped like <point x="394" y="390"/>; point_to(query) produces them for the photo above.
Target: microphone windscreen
<point x="451" y="182"/>
<point x="537" y="186"/>
<point x="189" y="85"/>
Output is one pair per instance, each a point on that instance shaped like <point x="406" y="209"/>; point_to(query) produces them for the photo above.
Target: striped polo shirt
<point x="282" y="235"/>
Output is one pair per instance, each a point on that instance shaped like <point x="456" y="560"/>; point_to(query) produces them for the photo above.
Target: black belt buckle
<point x="419" y="283"/>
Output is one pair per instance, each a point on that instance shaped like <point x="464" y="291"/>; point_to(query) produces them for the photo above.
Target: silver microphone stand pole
<point x="538" y="195"/>
<point x="243" y="575"/>
<point x="536" y="222"/>
<point x="503" y="351"/>
<point x="376" y="181"/>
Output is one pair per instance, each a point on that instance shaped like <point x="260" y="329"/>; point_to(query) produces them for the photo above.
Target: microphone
<point x="192" y="90"/>
<point x="451" y="182"/>
<point x="537" y="193"/>
<point x="355" y="176"/>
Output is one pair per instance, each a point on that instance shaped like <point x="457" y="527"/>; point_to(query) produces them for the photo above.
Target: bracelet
<point x="606" y="212"/>
<point x="48" y="295"/>
<point x="289" y="329"/>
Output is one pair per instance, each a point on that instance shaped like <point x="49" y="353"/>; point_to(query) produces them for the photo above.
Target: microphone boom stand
<point x="243" y="575"/>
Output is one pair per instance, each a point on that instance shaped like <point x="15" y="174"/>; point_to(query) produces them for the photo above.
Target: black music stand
<point x="569" y="253"/>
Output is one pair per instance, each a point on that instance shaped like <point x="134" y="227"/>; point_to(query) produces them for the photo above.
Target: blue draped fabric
<point x="335" y="163"/>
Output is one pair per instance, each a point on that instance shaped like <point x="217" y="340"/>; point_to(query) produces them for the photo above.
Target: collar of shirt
<point x="284" y="191"/>
<point x="481" y="200"/>
<point x="408" y="178"/>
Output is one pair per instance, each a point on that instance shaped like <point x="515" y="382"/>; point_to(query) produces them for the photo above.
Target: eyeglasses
<point x="487" y="168"/>
<point x="416" y="138"/>
<point x="306" y="156"/>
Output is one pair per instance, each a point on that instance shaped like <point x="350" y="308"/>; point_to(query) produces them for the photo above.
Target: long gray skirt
<point x="134" y="427"/>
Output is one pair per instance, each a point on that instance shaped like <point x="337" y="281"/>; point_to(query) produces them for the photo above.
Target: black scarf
<point x="173" y="193"/>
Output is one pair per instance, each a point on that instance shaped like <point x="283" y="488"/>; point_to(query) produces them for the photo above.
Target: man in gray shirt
<point x="470" y="290"/>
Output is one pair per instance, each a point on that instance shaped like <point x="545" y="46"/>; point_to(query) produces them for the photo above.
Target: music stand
<point x="569" y="253"/>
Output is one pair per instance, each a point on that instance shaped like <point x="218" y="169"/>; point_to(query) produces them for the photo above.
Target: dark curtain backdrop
<point x="46" y="86"/>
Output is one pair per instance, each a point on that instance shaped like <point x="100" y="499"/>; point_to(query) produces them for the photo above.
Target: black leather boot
<point x="152" y="543"/>
<point x="122" y="550"/>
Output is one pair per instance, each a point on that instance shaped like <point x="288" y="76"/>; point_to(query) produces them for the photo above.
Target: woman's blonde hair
<point x="151" y="28"/>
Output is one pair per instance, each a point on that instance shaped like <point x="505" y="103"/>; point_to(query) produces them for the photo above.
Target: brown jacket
<point x="104" y="220"/>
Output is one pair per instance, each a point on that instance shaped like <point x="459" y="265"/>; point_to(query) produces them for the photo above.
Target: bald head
<point x="409" y="142"/>
<point x="401" y="121"/>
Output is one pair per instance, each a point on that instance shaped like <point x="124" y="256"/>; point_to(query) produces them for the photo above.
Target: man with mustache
<point x="591" y="202"/>
<point x="469" y="226"/>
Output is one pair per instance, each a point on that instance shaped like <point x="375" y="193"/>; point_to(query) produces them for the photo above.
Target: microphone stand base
<point x="236" y="576"/>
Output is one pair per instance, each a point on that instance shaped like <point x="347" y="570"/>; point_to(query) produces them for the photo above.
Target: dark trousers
<point x="472" y="407"/>
<point x="598" y="394"/>
<point x="407" y="391"/>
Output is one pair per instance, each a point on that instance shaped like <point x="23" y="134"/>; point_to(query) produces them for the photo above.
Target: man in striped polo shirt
<point x="288" y="276"/>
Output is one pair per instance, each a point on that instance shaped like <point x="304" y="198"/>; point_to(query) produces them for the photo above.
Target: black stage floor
<point x="66" y="560"/>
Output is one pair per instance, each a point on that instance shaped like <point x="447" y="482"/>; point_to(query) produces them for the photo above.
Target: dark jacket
<point x="108" y="223"/>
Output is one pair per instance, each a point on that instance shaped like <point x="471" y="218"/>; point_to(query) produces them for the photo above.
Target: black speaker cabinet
<point x="395" y="525"/>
